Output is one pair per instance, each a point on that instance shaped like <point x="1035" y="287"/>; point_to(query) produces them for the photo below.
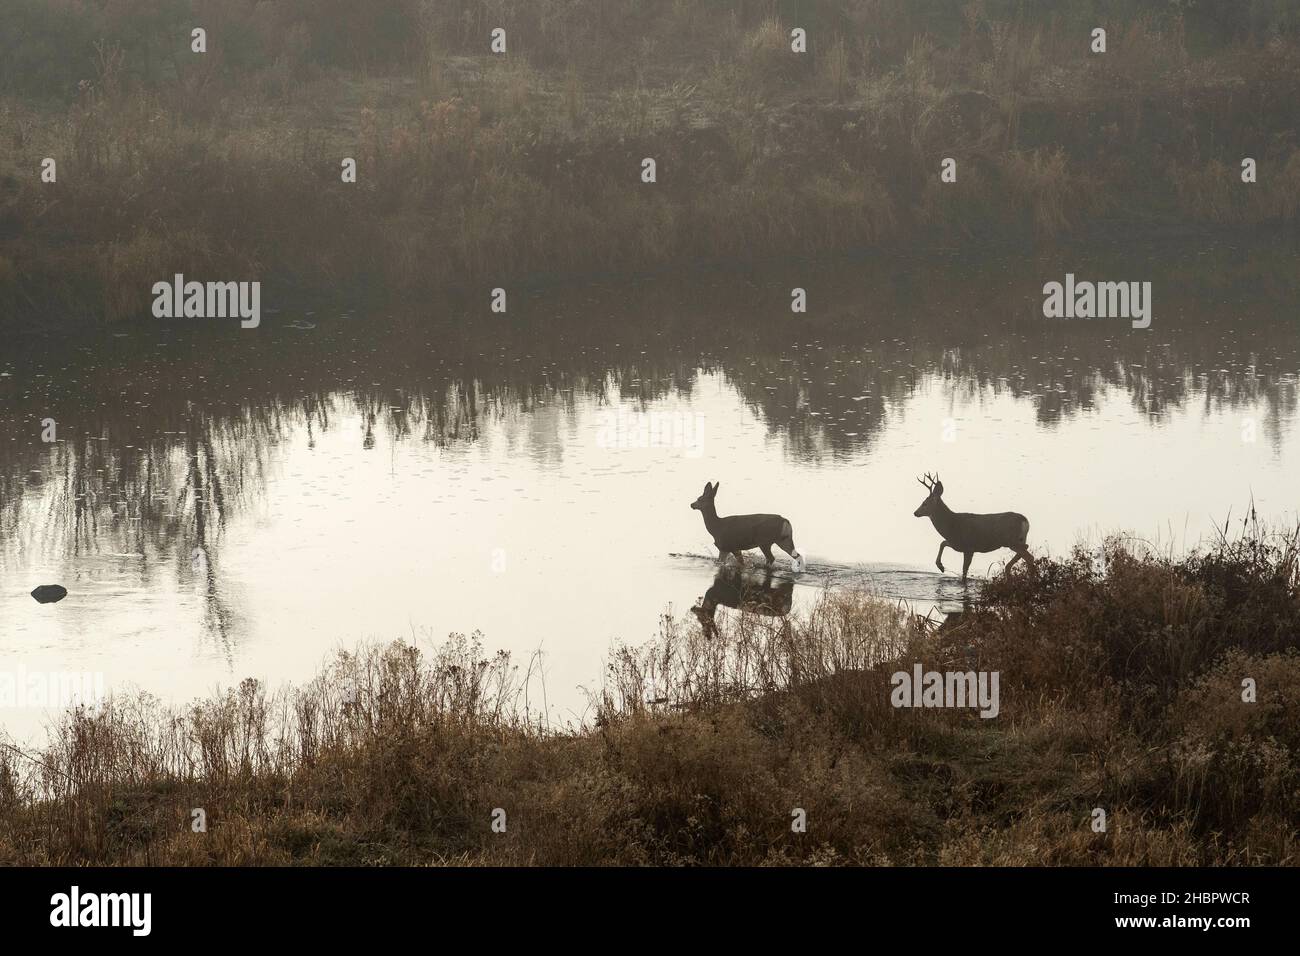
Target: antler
<point x="927" y="482"/>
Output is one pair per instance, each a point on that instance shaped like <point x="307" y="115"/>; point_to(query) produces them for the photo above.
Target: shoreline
<point x="458" y="297"/>
<point x="1121" y="688"/>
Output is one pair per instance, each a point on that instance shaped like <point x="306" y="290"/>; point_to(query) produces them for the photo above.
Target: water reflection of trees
<point x="1215" y="342"/>
<point x="165" y="432"/>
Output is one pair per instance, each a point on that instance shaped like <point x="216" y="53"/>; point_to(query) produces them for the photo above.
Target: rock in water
<point x="49" y="593"/>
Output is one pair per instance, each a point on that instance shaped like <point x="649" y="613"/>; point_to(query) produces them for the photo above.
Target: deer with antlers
<point x="970" y="533"/>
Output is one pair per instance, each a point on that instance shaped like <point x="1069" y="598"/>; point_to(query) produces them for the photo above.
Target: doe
<point x="736" y="533"/>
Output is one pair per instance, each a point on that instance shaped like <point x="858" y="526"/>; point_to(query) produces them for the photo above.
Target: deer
<point x="737" y="533"/>
<point x="969" y="533"/>
<point x="732" y="589"/>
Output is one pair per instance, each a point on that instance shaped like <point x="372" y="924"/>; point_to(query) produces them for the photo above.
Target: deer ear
<point x="715" y="487"/>
<point x="938" y="488"/>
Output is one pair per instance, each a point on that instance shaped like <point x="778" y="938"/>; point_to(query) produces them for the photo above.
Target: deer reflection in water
<point x="749" y="593"/>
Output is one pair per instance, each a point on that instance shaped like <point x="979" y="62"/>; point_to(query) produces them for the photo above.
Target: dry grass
<point x="476" y="168"/>
<point x="1121" y="688"/>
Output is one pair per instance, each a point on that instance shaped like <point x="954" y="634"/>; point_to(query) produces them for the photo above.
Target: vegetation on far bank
<point x="1121" y="687"/>
<point x="476" y="168"/>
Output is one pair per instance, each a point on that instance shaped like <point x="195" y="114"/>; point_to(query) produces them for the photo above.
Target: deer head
<point x="935" y="488"/>
<point x="706" y="500"/>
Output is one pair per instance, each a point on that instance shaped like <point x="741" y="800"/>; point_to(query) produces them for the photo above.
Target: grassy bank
<point x="477" y="169"/>
<point x="1121" y="687"/>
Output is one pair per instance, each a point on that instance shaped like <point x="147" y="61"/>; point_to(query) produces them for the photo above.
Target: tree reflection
<point x="168" y="431"/>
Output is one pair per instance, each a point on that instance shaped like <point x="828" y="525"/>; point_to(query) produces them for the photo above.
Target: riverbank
<point x="1160" y="692"/>
<point x="476" y="170"/>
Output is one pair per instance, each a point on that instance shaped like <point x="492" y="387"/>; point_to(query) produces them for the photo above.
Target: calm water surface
<point x="223" y="503"/>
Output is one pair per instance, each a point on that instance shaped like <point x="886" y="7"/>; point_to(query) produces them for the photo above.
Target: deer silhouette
<point x="732" y="588"/>
<point x="969" y="533"/>
<point x="736" y="533"/>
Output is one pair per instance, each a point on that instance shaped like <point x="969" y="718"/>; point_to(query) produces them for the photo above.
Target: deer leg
<point x="706" y="619"/>
<point x="722" y="556"/>
<point x="965" y="564"/>
<point x="787" y="545"/>
<point x="938" y="561"/>
<point x="740" y="559"/>
<point x="767" y="553"/>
